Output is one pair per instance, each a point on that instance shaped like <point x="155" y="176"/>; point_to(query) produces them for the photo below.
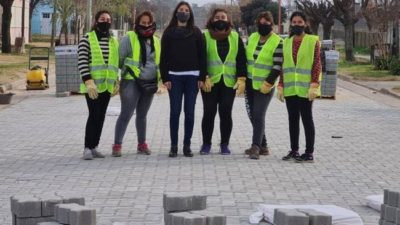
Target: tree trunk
<point x="314" y="27"/>
<point x="348" y="36"/>
<point x="66" y="33"/>
<point x="327" y="29"/>
<point x="5" y="28"/>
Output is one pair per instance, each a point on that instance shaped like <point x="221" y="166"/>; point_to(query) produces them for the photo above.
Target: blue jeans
<point x="182" y="85"/>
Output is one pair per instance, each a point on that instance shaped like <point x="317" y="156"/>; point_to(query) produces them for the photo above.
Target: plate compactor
<point x="37" y="77"/>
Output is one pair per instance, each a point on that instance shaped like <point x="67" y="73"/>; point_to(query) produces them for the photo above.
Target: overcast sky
<point x="202" y="2"/>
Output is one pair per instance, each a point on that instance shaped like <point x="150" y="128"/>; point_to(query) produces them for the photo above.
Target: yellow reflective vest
<point x="297" y="77"/>
<point x="259" y="69"/>
<point x="134" y="62"/>
<point x="104" y="75"/>
<point x="215" y="67"/>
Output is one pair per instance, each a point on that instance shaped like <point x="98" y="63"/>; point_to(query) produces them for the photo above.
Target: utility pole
<point x="279" y="16"/>
<point x="53" y="23"/>
<point x="88" y="15"/>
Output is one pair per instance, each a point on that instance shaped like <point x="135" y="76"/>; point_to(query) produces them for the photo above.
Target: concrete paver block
<point x="71" y="198"/>
<point x="398" y="216"/>
<point x="290" y="217"/>
<point x="62" y="212"/>
<point x="194" y="219"/>
<point x="178" y="202"/>
<point x="383" y="207"/>
<point x="49" y="203"/>
<point x="32" y="221"/>
<point x="49" y="223"/>
<point x="316" y="217"/>
<point x="82" y="216"/>
<point x="388" y="223"/>
<point x="212" y="217"/>
<point x="390" y="213"/>
<point x="26" y="206"/>
<point x="385" y="196"/>
<point x="393" y="198"/>
<point x="176" y="218"/>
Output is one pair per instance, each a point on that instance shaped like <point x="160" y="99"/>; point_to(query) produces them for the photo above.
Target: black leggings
<point x="97" y="112"/>
<point x="221" y="98"/>
<point x="300" y="107"/>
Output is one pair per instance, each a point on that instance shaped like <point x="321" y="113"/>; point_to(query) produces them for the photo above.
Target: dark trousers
<point x="182" y="86"/>
<point x="220" y="98"/>
<point x="300" y="107"/>
<point x="97" y="113"/>
<point x="249" y="101"/>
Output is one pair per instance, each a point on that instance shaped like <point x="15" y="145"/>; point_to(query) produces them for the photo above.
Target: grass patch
<point x="12" y="67"/>
<point x="41" y="38"/>
<point x="362" y="50"/>
<point x="365" y="71"/>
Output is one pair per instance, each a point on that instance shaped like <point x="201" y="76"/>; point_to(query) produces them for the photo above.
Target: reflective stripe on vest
<point x="259" y="69"/>
<point x="215" y="67"/>
<point x="134" y="62"/>
<point x="104" y="75"/>
<point x="297" y="77"/>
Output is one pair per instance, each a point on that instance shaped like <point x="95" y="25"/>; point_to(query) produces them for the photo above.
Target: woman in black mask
<point x="264" y="64"/>
<point x="226" y="67"/>
<point x="98" y="66"/>
<point x="183" y="71"/>
<point x="139" y="59"/>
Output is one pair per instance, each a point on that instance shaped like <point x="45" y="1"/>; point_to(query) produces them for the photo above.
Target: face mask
<point x="264" y="29"/>
<point x="297" y="30"/>
<point x="220" y="25"/>
<point x="103" y="26"/>
<point x="146" y="31"/>
<point x="182" y="16"/>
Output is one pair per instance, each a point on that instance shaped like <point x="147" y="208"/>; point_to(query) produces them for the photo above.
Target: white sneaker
<point x="97" y="154"/>
<point x="87" y="154"/>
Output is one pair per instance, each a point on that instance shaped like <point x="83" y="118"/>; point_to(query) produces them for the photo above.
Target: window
<point x="46" y="15"/>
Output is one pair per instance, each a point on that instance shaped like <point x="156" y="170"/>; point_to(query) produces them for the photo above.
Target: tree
<point x="322" y="12"/>
<point x="345" y="11"/>
<point x="5" y="26"/>
<point x="65" y="10"/>
<point x="252" y="9"/>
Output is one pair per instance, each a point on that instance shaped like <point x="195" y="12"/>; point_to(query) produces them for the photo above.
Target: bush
<point x="382" y="64"/>
<point x="395" y="67"/>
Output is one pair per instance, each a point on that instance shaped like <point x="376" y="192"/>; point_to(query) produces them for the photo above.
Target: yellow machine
<point x="37" y="77"/>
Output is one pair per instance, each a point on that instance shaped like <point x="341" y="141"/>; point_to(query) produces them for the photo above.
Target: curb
<point x="382" y="90"/>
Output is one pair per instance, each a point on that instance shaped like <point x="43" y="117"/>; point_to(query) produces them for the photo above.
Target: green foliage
<point x="251" y="11"/>
<point x="395" y="67"/>
<point x="382" y="63"/>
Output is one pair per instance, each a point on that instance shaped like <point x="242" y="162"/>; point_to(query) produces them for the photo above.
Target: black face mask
<point x="220" y="25"/>
<point x="182" y="16"/>
<point x="264" y="29"/>
<point x="146" y="31"/>
<point x="297" y="30"/>
<point x="103" y="27"/>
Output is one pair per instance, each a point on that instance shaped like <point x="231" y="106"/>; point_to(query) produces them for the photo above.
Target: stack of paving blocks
<point x="189" y="209"/>
<point x="67" y="73"/>
<point x="390" y="209"/>
<point x="51" y="209"/>
<point x="329" y="75"/>
<point x="301" y="217"/>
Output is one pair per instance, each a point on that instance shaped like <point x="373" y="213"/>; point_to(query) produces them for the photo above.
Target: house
<point x="41" y="20"/>
<point x="16" y="26"/>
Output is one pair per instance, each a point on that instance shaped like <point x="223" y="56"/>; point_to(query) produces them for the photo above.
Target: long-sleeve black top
<point x="183" y="50"/>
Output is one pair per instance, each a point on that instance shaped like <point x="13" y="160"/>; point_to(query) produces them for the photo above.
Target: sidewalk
<point x="42" y="141"/>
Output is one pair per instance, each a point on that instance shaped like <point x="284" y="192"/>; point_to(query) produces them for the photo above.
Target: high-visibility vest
<point x="104" y="75"/>
<point x="297" y="77"/>
<point x="215" y="67"/>
<point x="259" y="69"/>
<point x="134" y="62"/>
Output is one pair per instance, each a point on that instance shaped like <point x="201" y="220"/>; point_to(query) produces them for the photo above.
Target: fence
<point x="361" y="38"/>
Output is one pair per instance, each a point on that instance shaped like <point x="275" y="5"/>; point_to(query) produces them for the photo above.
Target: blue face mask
<point x="182" y="16"/>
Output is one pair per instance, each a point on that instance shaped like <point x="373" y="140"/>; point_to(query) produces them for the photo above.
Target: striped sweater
<point x="85" y="58"/>
<point x="277" y="61"/>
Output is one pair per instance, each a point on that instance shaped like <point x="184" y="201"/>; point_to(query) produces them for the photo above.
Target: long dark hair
<point x="97" y="16"/>
<point x="304" y="17"/>
<point x="214" y="12"/>
<point x="174" y="21"/>
<point x="142" y="40"/>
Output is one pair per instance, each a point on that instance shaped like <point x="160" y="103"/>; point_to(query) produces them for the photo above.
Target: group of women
<point x="215" y="62"/>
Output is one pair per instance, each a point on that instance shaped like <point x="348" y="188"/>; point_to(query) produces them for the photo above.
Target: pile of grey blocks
<point x="51" y="209"/>
<point x="67" y="74"/>
<point x="189" y="209"/>
<point x="390" y="209"/>
<point x="301" y="217"/>
<point x="329" y="75"/>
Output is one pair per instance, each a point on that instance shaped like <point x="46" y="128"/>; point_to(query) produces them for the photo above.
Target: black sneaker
<point x="173" y="152"/>
<point x="305" y="158"/>
<point x="187" y="152"/>
<point x="292" y="155"/>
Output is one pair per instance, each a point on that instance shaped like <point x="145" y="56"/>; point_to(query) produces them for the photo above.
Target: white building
<point x="16" y="21"/>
